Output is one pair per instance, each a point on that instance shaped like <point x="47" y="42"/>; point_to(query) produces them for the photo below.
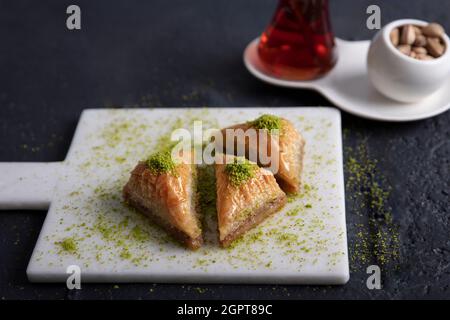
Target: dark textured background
<point x="188" y="53"/>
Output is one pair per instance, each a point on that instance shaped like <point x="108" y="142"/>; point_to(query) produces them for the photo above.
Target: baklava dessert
<point x="166" y="192"/>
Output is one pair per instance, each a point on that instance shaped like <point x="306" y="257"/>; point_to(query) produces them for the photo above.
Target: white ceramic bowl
<point x="401" y="77"/>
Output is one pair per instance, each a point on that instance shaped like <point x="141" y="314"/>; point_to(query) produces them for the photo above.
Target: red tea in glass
<point x="299" y="42"/>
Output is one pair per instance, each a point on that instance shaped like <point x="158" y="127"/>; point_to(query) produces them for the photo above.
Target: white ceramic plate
<point x="306" y="243"/>
<point x="349" y="88"/>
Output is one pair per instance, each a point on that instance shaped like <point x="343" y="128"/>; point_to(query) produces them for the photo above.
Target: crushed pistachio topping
<point x="68" y="245"/>
<point x="268" y="122"/>
<point x="240" y="170"/>
<point x="207" y="190"/>
<point x="377" y="239"/>
<point x="161" y="162"/>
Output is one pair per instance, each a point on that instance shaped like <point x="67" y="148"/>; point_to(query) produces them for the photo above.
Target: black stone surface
<point x="188" y="53"/>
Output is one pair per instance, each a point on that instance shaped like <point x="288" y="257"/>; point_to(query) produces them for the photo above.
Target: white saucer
<point x="349" y="88"/>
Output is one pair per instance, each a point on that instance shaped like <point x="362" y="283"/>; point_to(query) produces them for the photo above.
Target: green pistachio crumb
<point x="207" y="190"/>
<point x="69" y="245"/>
<point x="376" y="240"/>
<point x="239" y="171"/>
<point x="268" y="122"/>
<point x="161" y="162"/>
<point x="139" y="234"/>
<point x="125" y="254"/>
<point x="200" y="290"/>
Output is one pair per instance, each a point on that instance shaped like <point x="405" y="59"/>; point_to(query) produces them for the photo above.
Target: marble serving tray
<point x="89" y="226"/>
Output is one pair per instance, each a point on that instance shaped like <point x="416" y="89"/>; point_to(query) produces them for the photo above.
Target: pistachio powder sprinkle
<point x="377" y="239"/>
<point x="268" y="122"/>
<point x="69" y="245"/>
<point x="161" y="162"/>
<point x="207" y="190"/>
<point x="239" y="171"/>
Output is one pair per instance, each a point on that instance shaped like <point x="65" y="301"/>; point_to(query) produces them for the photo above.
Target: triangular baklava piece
<point x="283" y="139"/>
<point x="246" y="196"/>
<point x="165" y="191"/>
